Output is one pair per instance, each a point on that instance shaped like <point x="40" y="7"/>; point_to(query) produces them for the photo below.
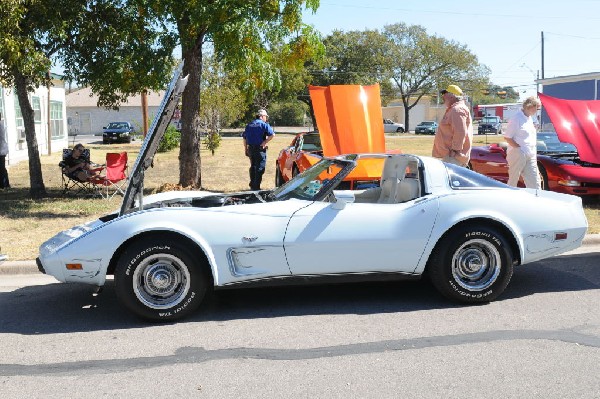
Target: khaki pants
<point x="521" y="165"/>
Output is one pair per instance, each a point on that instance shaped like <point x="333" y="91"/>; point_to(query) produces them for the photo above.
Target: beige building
<point x="85" y="117"/>
<point x="423" y="111"/>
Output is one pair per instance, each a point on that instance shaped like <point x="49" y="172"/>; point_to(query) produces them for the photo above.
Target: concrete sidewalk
<point x="29" y="266"/>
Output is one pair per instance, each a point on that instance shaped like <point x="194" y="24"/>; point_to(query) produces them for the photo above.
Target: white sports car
<point x="466" y="231"/>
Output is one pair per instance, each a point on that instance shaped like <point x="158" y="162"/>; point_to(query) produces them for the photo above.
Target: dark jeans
<point x="3" y="173"/>
<point x="258" y="162"/>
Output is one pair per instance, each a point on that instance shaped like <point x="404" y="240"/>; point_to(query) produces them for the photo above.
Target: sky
<point x="504" y="35"/>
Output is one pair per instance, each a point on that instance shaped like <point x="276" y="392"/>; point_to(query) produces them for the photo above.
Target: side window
<point x="37" y="109"/>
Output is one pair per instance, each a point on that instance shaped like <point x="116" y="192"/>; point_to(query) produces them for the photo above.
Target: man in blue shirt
<point x="257" y="135"/>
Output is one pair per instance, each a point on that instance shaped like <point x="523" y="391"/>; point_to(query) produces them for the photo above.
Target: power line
<point x="466" y="14"/>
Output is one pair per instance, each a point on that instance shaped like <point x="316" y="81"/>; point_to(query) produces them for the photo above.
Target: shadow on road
<point x="65" y="308"/>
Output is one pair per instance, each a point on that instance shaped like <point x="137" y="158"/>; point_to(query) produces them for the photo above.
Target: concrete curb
<point x="30" y="267"/>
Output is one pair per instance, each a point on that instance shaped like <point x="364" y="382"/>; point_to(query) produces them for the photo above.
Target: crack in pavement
<point x="195" y="355"/>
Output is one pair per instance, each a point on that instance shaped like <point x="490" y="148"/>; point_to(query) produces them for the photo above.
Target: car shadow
<point x="65" y="308"/>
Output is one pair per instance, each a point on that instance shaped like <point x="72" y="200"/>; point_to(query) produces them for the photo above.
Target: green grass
<point x="25" y="223"/>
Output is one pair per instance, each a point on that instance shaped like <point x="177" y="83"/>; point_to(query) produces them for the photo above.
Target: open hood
<point x="145" y="158"/>
<point x="349" y="118"/>
<point x="576" y="122"/>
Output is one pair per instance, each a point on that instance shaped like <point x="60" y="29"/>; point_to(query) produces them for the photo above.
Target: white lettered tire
<point x="160" y="279"/>
<point x="471" y="264"/>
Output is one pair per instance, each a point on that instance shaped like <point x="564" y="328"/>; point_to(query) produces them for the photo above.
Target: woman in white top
<point x="521" y="136"/>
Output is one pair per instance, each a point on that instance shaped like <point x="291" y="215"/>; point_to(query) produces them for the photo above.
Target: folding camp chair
<point x="74" y="186"/>
<point x="115" y="177"/>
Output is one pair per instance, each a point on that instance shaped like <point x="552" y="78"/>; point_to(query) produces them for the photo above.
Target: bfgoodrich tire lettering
<point x="160" y="279"/>
<point x="471" y="264"/>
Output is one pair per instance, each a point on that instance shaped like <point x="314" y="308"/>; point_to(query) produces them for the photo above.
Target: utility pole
<point x="542" y="54"/>
<point x="49" y="137"/>
<point x="144" y="112"/>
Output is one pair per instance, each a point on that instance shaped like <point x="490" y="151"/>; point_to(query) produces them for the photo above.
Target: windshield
<point x="548" y="143"/>
<point x="314" y="183"/>
<point x="311" y="142"/>
<point x="427" y="123"/>
<point x="117" y="125"/>
<point x="463" y="178"/>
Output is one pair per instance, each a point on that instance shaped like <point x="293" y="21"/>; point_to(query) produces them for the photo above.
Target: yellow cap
<point x="454" y="89"/>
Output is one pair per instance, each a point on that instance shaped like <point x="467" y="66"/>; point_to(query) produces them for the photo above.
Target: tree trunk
<point x="406" y="117"/>
<point x="36" y="181"/>
<point x="189" y="150"/>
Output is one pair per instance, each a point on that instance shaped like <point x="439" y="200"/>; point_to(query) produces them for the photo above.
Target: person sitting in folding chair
<point x="77" y="167"/>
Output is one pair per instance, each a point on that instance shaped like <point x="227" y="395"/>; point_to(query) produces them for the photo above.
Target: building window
<point x="19" y="124"/>
<point x="37" y="109"/>
<point x="57" y="120"/>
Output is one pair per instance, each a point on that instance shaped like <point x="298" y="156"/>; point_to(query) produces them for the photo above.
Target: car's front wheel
<point x="471" y="264"/>
<point x="160" y="279"/>
<point x="400" y="130"/>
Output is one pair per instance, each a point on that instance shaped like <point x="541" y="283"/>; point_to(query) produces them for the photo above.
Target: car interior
<point x="399" y="183"/>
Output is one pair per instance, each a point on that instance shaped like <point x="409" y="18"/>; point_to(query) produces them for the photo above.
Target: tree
<point x="109" y="44"/>
<point x="288" y="99"/>
<point x="117" y="48"/>
<point x="421" y="64"/>
<point x="355" y="57"/>
<point x="221" y="101"/>
<point x="240" y="33"/>
<point x="495" y="94"/>
<point x="121" y="47"/>
<point x="29" y="40"/>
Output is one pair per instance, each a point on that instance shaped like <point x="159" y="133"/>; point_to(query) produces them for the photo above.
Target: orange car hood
<point x="576" y="122"/>
<point x="349" y="118"/>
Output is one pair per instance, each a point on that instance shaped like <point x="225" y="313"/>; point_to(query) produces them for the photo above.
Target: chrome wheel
<point x="476" y="265"/>
<point x="161" y="281"/>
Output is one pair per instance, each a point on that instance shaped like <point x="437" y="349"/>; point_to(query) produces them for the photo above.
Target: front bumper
<point x="487" y="129"/>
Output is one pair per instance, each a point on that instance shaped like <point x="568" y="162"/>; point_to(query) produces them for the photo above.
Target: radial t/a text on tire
<point x="471" y="264"/>
<point x="160" y="280"/>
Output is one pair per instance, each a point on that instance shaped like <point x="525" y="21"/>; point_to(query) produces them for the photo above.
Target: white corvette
<point x="464" y="230"/>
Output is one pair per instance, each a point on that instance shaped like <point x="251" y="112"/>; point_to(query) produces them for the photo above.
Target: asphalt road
<point x="541" y="339"/>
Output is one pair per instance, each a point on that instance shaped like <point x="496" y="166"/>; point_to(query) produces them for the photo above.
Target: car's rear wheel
<point x="160" y="279"/>
<point x="471" y="264"/>
<point x="278" y="177"/>
<point x="400" y="130"/>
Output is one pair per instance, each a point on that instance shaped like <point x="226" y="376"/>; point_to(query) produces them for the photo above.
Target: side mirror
<point x="342" y="198"/>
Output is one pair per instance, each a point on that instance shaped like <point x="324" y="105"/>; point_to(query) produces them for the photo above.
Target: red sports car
<point x="306" y="150"/>
<point x="349" y="121"/>
<point x="560" y="166"/>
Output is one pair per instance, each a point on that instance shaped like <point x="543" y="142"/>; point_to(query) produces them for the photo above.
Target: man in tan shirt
<point x="454" y="137"/>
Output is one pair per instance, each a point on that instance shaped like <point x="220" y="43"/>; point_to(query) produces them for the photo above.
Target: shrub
<point x="170" y="140"/>
<point x="212" y="141"/>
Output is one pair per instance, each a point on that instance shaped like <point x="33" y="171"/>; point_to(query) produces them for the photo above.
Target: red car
<point x="297" y="157"/>
<point x="305" y="150"/>
<point x="349" y="121"/>
<point x="560" y="166"/>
